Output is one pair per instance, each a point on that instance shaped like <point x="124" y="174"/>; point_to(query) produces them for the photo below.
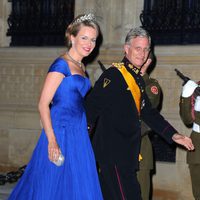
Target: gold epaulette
<point x="121" y="64"/>
<point x="118" y="65"/>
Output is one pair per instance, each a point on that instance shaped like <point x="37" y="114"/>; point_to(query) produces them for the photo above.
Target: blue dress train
<point x="77" y="178"/>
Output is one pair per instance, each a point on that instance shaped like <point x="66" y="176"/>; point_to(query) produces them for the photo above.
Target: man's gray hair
<point x="137" y="32"/>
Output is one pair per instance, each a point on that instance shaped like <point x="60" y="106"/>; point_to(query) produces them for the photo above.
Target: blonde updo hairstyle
<point x="75" y="26"/>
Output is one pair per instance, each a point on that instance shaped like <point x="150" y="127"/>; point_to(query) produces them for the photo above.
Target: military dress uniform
<point x="117" y="136"/>
<point x="153" y="91"/>
<point x="190" y="114"/>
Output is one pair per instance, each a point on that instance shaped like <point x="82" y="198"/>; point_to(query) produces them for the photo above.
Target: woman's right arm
<point x="51" y="84"/>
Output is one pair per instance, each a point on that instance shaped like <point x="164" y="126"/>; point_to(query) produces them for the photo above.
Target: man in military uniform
<point x="116" y="104"/>
<point x="190" y="114"/>
<point x="153" y="91"/>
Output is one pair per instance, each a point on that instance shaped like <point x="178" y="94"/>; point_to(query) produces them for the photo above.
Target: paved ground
<point x="5" y="190"/>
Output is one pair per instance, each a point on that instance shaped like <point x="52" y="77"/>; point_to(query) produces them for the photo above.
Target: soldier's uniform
<point x="190" y="114"/>
<point x="153" y="91"/>
<point x="117" y="136"/>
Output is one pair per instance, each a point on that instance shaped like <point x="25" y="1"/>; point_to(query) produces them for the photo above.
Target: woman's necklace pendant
<point x="74" y="61"/>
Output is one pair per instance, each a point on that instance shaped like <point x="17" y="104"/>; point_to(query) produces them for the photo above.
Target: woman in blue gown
<point x="64" y="127"/>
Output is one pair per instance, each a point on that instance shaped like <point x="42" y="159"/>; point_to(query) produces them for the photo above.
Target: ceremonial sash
<point x="132" y="85"/>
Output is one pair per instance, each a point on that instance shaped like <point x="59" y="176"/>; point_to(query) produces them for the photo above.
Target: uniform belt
<point x="196" y="128"/>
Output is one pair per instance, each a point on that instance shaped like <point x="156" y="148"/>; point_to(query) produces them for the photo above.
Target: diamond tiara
<point x="86" y="17"/>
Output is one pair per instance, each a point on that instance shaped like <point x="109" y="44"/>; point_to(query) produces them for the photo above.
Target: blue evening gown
<point x="77" y="178"/>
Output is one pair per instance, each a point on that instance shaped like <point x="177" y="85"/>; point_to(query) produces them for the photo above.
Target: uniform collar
<point x="130" y="66"/>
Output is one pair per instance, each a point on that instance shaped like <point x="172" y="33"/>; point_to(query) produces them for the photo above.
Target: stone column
<point x="131" y="17"/>
<point x="5" y="9"/>
<point x="115" y="17"/>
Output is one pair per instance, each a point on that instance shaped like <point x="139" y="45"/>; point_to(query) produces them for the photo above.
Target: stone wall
<point x="22" y="72"/>
<point x="172" y="181"/>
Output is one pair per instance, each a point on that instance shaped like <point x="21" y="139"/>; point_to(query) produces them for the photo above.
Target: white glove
<point x="189" y="88"/>
<point x="197" y="104"/>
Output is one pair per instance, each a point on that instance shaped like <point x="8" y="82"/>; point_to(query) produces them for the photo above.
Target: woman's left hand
<point x="53" y="151"/>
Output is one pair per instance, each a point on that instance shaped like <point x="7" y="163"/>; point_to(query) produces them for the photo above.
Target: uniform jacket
<point x="111" y="107"/>
<point x="188" y="115"/>
<point x="153" y="91"/>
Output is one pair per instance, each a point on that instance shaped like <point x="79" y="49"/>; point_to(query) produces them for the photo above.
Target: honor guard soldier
<point x="190" y="114"/>
<point x="116" y="104"/>
<point x="153" y="91"/>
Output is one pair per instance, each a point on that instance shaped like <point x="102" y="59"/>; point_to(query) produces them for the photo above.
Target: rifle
<point x="103" y="68"/>
<point x="185" y="79"/>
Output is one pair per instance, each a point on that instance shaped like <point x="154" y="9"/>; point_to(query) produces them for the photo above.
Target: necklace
<point x="80" y="64"/>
